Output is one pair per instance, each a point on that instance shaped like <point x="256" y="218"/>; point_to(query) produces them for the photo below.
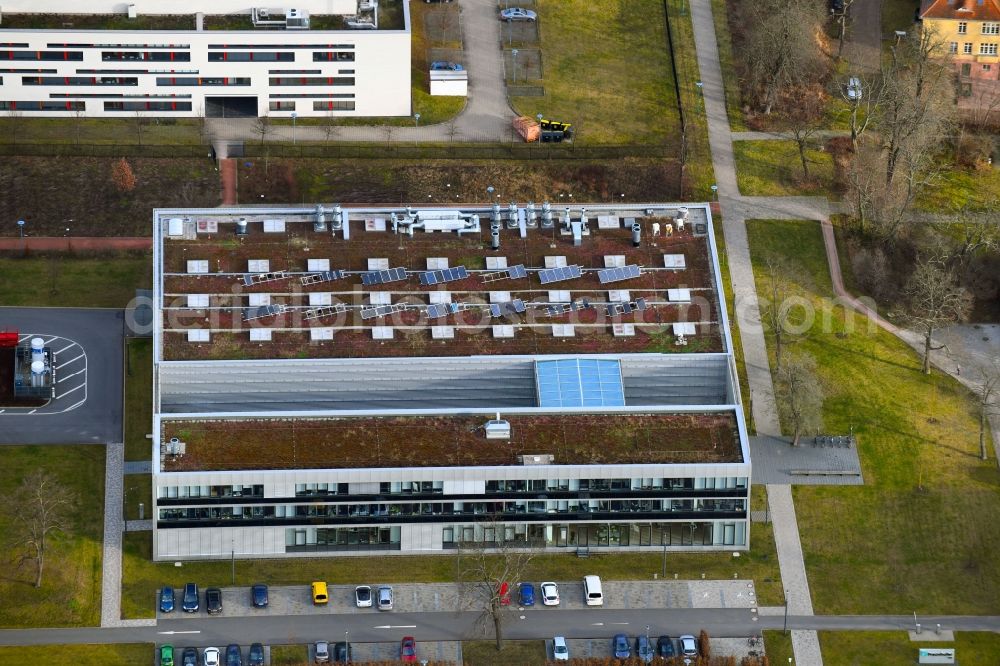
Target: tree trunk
<point x="777" y="347"/>
<point x="843" y="33"/>
<point x="498" y="627"/>
<point x="797" y="436"/>
<point x="927" y="350"/>
<point x="40" y="559"/>
<point x="802" y="157"/>
<point x="982" y="432"/>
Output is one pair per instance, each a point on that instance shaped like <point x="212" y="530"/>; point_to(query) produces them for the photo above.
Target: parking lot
<point x="87" y="347"/>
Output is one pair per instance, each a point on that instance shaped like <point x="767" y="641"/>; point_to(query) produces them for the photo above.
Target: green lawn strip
<point x="141" y="577"/>
<point x="700" y="175"/>
<point x="773" y="168"/>
<point x="139" y="399"/>
<point x="897" y="15"/>
<point x="734" y="106"/>
<point x="630" y="97"/>
<point x="523" y="653"/>
<point x="58" y="281"/>
<point x="134" y="654"/>
<point x="889" y="546"/>
<point x="734" y="328"/>
<point x="289" y="655"/>
<point x="778" y="648"/>
<point x="70" y="594"/>
<point x="113" y="131"/>
<point x="894" y="648"/>
<point x="956" y="188"/>
<point x="138" y="490"/>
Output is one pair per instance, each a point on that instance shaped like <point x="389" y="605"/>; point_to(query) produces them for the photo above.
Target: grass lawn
<point x="630" y="97"/>
<point x="133" y="654"/>
<point x="734" y="327"/>
<point x="927" y="521"/>
<point x="778" y="647"/>
<point x="956" y="188"/>
<point x="773" y="168"/>
<point x="138" y="490"/>
<point x="897" y="15"/>
<point x="141" y="577"/>
<point x="734" y="107"/>
<point x="523" y="653"/>
<point x="289" y="655"/>
<point x="115" y="131"/>
<point x="70" y="594"/>
<point x="139" y="399"/>
<point x="894" y="648"/>
<point x="73" y="282"/>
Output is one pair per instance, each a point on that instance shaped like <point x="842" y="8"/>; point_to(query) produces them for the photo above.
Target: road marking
<point x="619" y="623"/>
<point x="171" y="633"/>
<point x="597" y="624"/>
<point x="2" y="411"/>
<point x="73" y="389"/>
<point x="33" y="411"/>
<point x="61" y="379"/>
<point x="396" y="626"/>
<point x="65" y="363"/>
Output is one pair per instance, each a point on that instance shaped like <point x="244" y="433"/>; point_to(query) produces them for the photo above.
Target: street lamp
<point x="513" y="54"/>
<point x="20" y="227"/>
<point x="715" y="192"/>
<point x="416" y="119"/>
<point x="294" y="116"/>
<point x="347" y="644"/>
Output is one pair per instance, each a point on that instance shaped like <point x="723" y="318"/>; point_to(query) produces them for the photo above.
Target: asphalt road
<point x="88" y="404"/>
<point x="199" y="630"/>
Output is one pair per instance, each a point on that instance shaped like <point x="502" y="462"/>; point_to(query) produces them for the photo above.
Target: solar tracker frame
<point x="618" y="274"/>
<point x="249" y="314"/>
<point x="517" y="271"/>
<point x="371" y="278"/>
<point x="322" y="276"/>
<point x="550" y="275"/>
<point x="430" y="278"/>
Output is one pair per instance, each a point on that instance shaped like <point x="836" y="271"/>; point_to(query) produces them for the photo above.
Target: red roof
<point x="961" y="10"/>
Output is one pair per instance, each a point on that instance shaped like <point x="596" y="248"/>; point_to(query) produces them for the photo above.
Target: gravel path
<point x="114" y="526"/>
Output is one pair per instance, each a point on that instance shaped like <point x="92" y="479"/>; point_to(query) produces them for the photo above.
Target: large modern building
<point x="187" y="58"/>
<point x="337" y="380"/>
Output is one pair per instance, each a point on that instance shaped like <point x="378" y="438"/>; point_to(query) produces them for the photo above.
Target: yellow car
<point x="319" y="592"/>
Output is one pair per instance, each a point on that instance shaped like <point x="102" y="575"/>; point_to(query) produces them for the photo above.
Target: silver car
<point x="517" y="14"/>
<point x="322" y="652"/>
<point x="385" y="598"/>
<point x="559" y="650"/>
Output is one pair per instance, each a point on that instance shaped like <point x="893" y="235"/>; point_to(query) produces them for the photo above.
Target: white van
<point x="592" y="592"/>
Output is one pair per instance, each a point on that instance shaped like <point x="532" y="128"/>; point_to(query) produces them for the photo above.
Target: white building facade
<point x="190" y="72"/>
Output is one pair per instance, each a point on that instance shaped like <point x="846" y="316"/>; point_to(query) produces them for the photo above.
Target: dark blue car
<point x="258" y="595"/>
<point x="526" y="594"/>
<point x="190" y="602"/>
<point x="620" y="647"/>
<point x="166" y="599"/>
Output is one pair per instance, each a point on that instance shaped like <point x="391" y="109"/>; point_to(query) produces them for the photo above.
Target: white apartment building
<point x="188" y="58"/>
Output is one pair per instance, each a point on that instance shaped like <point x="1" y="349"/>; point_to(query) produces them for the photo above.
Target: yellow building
<point x="970" y="30"/>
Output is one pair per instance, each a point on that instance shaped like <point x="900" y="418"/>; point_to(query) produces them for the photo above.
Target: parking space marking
<point x="54" y="406"/>
<point x="75" y="358"/>
<point x="75" y="388"/>
<point x="62" y="379"/>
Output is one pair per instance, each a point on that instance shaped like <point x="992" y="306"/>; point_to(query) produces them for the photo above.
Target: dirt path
<point x="58" y="244"/>
<point x="227" y="174"/>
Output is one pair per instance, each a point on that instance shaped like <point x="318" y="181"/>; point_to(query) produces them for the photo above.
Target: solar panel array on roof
<point x="383" y="310"/>
<point x="549" y="275"/>
<point x="615" y="309"/>
<point x="559" y="309"/>
<point x="579" y="383"/>
<point x="326" y="311"/>
<point x="250" y="314"/>
<point x="607" y="275"/>
<point x="323" y="276"/>
<point x="445" y="275"/>
<point x="381" y="277"/>
<point x="250" y="279"/>
<point x="438" y="310"/>
<point x="516" y="272"/>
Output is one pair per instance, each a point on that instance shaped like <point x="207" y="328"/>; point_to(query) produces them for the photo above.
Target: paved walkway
<point x="736" y="209"/>
<point x="114" y="525"/>
<point x="487" y="115"/>
<point x="781" y="136"/>
<point x="864" y="35"/>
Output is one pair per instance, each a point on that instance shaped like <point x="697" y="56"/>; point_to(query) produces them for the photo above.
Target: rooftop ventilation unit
<point x="289" y="19"/>
<point x="497" y="428"/>
<point x="541" y="459"/>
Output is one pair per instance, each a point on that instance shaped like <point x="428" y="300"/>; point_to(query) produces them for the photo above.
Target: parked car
<point x="258" y="595"/>
<point x="320" y="595"/>
<point x="504" y="593"/>
<point x="665" y="646"/>
<point x="166" y="655"/>
<point x="213" y="600"/>
<point x="190" y="602"/>
<point x="342" y="652"/>
<point x="322" y="655"/>
<point x="517" y="14"/>
<point x="363" y="596"/>
<point x="559" y="650"/>
<point x="689" y="645"/>
<point x="854" y="88"/>
<point x="440" y="65"/>
<point x="593" y="593"/>
<point x="212" y="656"/>
<point x="408" y="649"/>
<point x="385" y="598"/>
<point x="526" y="594"/>
<point x="550" y="594"/>
<point x="256" y="656"/>
<point x="190" y="657"/>
<point x="166" y="599"/>
<point x="234" y="656"/>
<point x="620" y="647"/>
<point x="644" y="649"/>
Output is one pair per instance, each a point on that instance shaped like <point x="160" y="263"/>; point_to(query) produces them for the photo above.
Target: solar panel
<point x="250" y="314"/>
<point x="445" y="275"/>
<point x="640" y="304"/>
<point x="516" y="272"/>
<point x="383" y="310"/>
<point x="549" y="275"/>
<point x="606" y="275"/>
<point x="437" y="311"/>
<point x="381" y="277"/>
<point x="516" y="306"/>
<point x="495" y="310"/>
<point x="323" y="276"/>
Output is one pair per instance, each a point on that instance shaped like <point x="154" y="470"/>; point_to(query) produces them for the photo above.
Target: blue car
<point x="526" y="594"/>
<point x="166" y="599"/>
<point x="620" y="647"/>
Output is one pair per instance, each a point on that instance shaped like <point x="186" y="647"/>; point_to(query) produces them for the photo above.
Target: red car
<point x="504" y="593"/>
<point x="408" y="649"/>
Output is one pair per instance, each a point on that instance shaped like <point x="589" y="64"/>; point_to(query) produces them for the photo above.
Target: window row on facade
<point x="79" y="80"/>
<point x="329" y="105"/>
<point x="11" y="105"/>
<point x="149" y="56"/>
<point x="984" y="48"/>
<point x="985" y="28"/>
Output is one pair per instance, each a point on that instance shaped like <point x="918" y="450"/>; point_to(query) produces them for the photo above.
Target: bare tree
<point x="800" y="397"/>
<point x="802" y="122"/>
<point x="485" y="566"/>
<point x="79" y="116"/>
<point x="987" y="394"/>
<point x="40" y="508"/>
<point x="139" y="122"/>
<point x="781" y="47"/>
<point x="841" y="19"/>
<point x="863" y="102"/>
<point x="934" y="299"/>
<point x="331" y="130"/>
<point x="452" y="128"/>
<point x="977" y="235"/>
<point x="775" y="308"/>
<point x="202" y="121"/>
<point x="263" y="128"/>
<point x="13" y="118"/>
